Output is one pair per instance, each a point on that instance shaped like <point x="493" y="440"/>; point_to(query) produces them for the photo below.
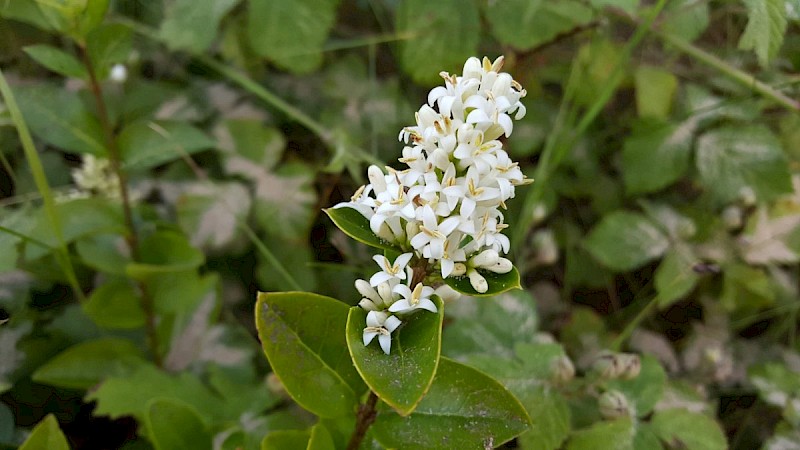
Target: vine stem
<point x="131" y="236"/>
<point x="364" y="418"/>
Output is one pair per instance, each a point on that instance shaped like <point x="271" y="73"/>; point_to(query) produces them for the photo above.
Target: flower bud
<point x="118" y="74"/>
<point x="732" y="217"/>
<point x="748" y="196"/>
<point x="546" y="248"/>
<point x="364" y="288"/>
<point x="368" y="305"/>
<point x="631" y="365"/>
<point x="447" y="294"/>
<point x="440" y="159"/>
<point x="385" y="291"/>
<point x="485" y="258"/>
<point x="562" y="370"/>
<point x="376" y="178"/>
<point x="477" y="281"/>
<point x="607" y="365"/>
<point x="458" y="270"/>
<point x="503" y="265"/>
<point x="613" y="405"/>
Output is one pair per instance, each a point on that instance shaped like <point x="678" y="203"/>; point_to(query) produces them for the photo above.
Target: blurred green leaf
<point x="104" y="252"/>
<point x="692" y="430"/>
<point x="284" y="199"/>
<point x="56" y="60"/>
<point x="686" y="18"/>
<point x="192" y="25"/>
<point x="655" y="91"/>
<point x="107" y="45"/>
<point x="355" y="225"/>
<point x="625" y="240"/>
<point x="655" y="155"/>
<point x="174" y="425"/>
<point x="401" y="378"/>
<point x="46" y="436"/>
<point x="617" y="434"/>
<point x="777" y="384"/>
<point x="209" y="214"/>
<point x="464" y="408"/>
<point x="164" y="252"/>
<point x="644" y="390"/>
<point x="675" y="276"/>
<point x="84" y="365"/>
<point x="498" y="283"/>
<point x="629" y="6"/>
<point x="443" y="35"/>
<point x="115" y="305"/>
<point x="731" y="158"/>
<point x="526" y="24"/>
<point x="303" y="336"/>
<point x="766" y="26"/>
<point x="315" y="438"/>
<point x="25" y="11"/>
<point x="250" y="139"/>
<point x="146" y="144"/>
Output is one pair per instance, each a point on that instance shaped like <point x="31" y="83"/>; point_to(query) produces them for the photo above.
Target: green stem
<point x="633" y="324"/>
<point x="732" y="72"/>
<point x="42" y="185"/>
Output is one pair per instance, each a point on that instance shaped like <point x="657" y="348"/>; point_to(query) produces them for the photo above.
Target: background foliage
<point x="664" y="138"/>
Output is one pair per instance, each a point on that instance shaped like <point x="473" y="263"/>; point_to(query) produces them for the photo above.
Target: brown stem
<point x="131" y="237"/>
<point x="364" y="418"/>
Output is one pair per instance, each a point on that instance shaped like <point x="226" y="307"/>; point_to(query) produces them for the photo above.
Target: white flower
<point x="389" y="271"/>
<point x="419" y="298"/>
<point x="430" y="240"/>
<point x="382" y="325"/>
<point x="118" y="73"/>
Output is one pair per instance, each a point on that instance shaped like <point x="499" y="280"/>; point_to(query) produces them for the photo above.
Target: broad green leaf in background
<point x="464" y="408"/>
<point x="655" y="155"/>
<point x="59" y="117"/>
<point x="644" y="390"/>
<point x="686" y="18"/>
<point x="115" y="304"/>
<point x="766" y="26"/>
<point x="174" y="425"/>
<point x="46" y="436"/>
<point x="300" y="258"/>
<point x="355" y="225"/>
<point x="731" y="158"/>
<point x="192" y="25"/>
<point x="746" y="290"/>
<point x="675" y="277"/>
<point x="252" y="140"/>
<point x="209" y="213"/>
<point x="498" y="283"/>
<point x="164" y="252"/>
<point x="694" y="431"/>
<point x="108" y="44"/>
<point x="617" y="434"/>
<point x="445" y="33"/>
<point x="303" y="336"/>
<point x="629" y="6"/>
<point x="402" y="377"/>
<point x="314" y="438"/>
<point x="525" y="24"/>
<point x="291" y="34"/>
<point x="655" y="91"/>
<point x="182" y="291"/>
<point x="25" y="11"/>
<point x="56" y="60"/>
<point x="777" y="384"/>
<point x="550" y="416"/>
<point x="146" y="144"/>
<point x="84" y="365"/>
<point x="625" y="240"/>
<point x="105" y="253"/>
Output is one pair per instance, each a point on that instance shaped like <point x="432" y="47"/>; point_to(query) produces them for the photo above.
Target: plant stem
<point x="131" y="237"/>
<point x="633" y="324"/>
<point x="364" y="418"/>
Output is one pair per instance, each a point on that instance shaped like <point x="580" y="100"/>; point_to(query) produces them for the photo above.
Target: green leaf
<point x="490" y="327"/>
<point x="525" y="24"/>
<point x="766" y="26"/>
<point x="690" y="430"/>
<point x="146" y="144"/>
<point x="629" y="6"/>
<point x="655" y="91"/>
<point x="686" y="18"/>
<point x="655" y="155"/>
<point x="617" y="435"/>
<point x="303" y="336"/>
<point x="107" y="45"/>
<point x="674" y="277"/>
<point x="25" y="11"/>
<point x="464" y="408"/>
<point x="104" y="253"/>
<point x="115" y="305"/>
<point x="498" y="283"/>
<point x="59" y="117"/>
<point x="315" y="438"/>
<point x="251" y="140"/>
<point x="84" y="365"/>
<point x="625" y="240"/>
<point x="56" y="60"/>
<point x="402" y="377"/>
<point x="291" y="34"/>
<point x="165" y="252"/>
<point x="550" y="416"/>
<point x="776" y="384"/>
<point x="192" y="25"/>
<point x="355" y="225"/>
<point x="284" y="199"/>
<point x="445" y="33"/>
<point x="731" y="158"/>
<point x="210" y="213"/>
<point x="174" y="425"/>
<point x="46" y="436"/>
<point x="646" y="389"/>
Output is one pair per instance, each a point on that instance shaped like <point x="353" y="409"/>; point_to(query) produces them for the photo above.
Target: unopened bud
<point x="385" y="292"/>
<point x="617" y="365"/>
<point x="732" y="217"/>
<point x="376" y="178"/>
<point x="613" y="405"/>
<point x="477" y="281"/>
<point x="368" y="305"/>
<point x="440" y="159"/>
<point x="631" y="365"/>
<point x="503" y="265"/>
<point x="562" y="370"/>
<point x="447" y="294"/>
<point x="485" y="258"/>
<point x="544" y="242"/>
<point x="748" y="196"/>
<point x="118" y="74"/>
<point x="539" y="213"/>
<point x="458" y="270"/>
<point x="364" y="288"/>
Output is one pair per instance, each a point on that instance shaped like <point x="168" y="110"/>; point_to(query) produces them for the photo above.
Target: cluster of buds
<point x="609" y="365"/>
<point x="96" y="176"/>
<point x="444" y="209"/>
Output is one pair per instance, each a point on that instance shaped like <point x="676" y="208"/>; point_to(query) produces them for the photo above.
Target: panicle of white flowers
<point x="446" y="206"/>
<point x="96" y="176"/>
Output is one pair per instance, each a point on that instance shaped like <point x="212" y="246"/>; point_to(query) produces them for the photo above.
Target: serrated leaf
<point x="674" y="277"/>
<point x="656" y="155"/>
<point x="174" y="425"/>
<point x="86" y="364"/>
<point x="766" y="26"/>
<point x="115" y="305"/>
<point x="526" y="24"/>
<point x="464" y="408"/>
<point x="498" y="283"/>
<point x="355" y="225"/>
<point x="303" y="336"/>
<point x="192" y="25"/>
<point x="731" y="158"/>
<point x="444" y="34"/>
<point x="617" y="434"/>
<point x="46" y="436"/>
<point x="402" y="377"/>
<point x="625" y="240"/>
<point x="291" y="34"/>
<point x="56" y="60"/>
<point x="146" y="143"/>
<point x="691" y="431"/>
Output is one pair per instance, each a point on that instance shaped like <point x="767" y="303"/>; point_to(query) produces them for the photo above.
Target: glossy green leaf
<point x="315" y="438"/>
<point x="165" y="252"/>
<point x="675" y="276"/>
<point x="174" y="425"/>
<point x="402" y="377"/>
<point x="655" y="155"/>
<point x="766" y="26"/>
<point x="464" y="408"/>
<point x="355" y="225"/>
<point x="444" y="34"/>
<point x="115" y="304"/>
<point x="303" y="336"/>
<point x="625" y="240"/>
<point x="291" y="34"/>
<point x="146" y="144"/>
<point x="694" y="431"/>
<point x="525" y="24"/>
<point x="46" y="436"/>
<point x="192" y="25"/>
<point x="498" y="283"/>
<point x="109" y="44"/>
<point x="56" y="60"/>
<point x="617" y="434"/>
<point x="655" y="91"/>
<point x="84" y="365"/>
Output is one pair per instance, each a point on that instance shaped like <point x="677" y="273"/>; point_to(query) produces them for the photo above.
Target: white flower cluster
<point x="95" y="176"/>
<point x="445" y="207"/>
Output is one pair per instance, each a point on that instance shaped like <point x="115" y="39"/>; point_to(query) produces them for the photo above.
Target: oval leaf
<point x="625" y="240"/>
<point x="303" y="336"/>
<point x="357" y="227"/>
<point x="46" y="436"/>
<point x="464" y="408"/>
<point x="174" y="425"/>
<point x="498" y="283"/>
<point x="314" y="438"/>
<point x="165" y="252"/>
<point x="402" y="377"/>
<point x="115" y="304"/>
